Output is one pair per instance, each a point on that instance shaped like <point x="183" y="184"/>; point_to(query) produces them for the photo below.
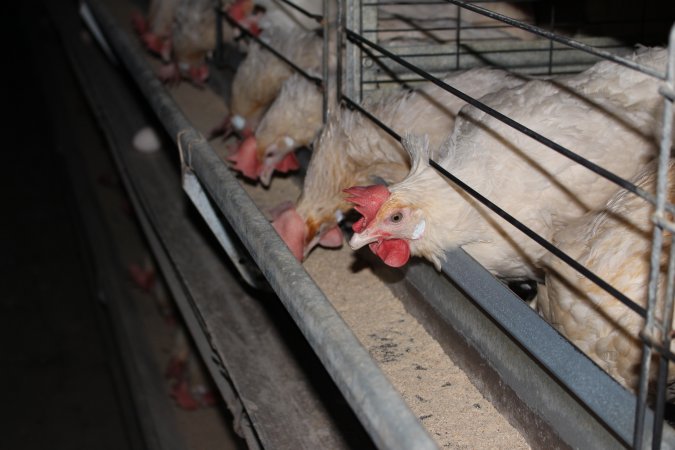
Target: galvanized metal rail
<point x="385" y="416"/>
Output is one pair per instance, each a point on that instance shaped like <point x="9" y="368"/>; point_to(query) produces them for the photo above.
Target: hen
<point x="261" y="75"/>
<point x="193" y="36"/>
<point x="155" y="30"/>
<point x="607" y="114"/>
<point x="615" y="244"/>
<point x="292" y="121"/>
<point x="353" y="150"/>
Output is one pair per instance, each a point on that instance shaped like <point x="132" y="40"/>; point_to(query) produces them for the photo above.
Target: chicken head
<point x="278" y="156"/>
<point x="254" y="163"/>
<point x="387" y="225"/>
<point x="298" y="234"/>
<point x="160" y="45"/>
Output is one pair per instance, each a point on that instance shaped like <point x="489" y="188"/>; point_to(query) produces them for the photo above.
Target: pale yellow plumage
<point x="607" y="114"/>
<point x="615" y="244"/>
<point x="261" y="75"/>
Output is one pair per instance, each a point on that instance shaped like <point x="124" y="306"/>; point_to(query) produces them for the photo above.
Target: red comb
<point x="245" y="159"/>
<point x="156" y="44"/>
<point x="367" y="201"/>
<point x="394" y="252"/>
<point x="199" y="74"/>
<point x="240" y="9"/>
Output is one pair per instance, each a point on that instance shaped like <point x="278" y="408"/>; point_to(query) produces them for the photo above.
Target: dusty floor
<point x="438" y="392"/>
<point x="56" y="358"/>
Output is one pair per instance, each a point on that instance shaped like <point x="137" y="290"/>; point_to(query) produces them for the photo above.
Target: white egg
<point x="146" y="140"/>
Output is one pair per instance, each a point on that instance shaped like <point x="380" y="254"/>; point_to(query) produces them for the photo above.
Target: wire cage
<point x="384" y="44"/>
<point x="530" y="37"/>
<point x="471" y="34"/>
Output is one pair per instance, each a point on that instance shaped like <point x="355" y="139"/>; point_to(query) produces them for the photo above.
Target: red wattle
<point x="394" y="252"/>
<point x="290" y="162"/>
<point x="154" y="43"/>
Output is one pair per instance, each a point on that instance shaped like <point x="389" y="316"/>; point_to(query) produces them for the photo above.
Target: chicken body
<point x="351" y="149"/>
<point x="261" y="75"/>
<point x="606" y="114"/>
<point x="615" y="244"/>
<point x="193" y="37"/>
<point x="155" y="30"/>
<point x="291" y="122"/>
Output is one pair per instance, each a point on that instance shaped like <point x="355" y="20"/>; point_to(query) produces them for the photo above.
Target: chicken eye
<point x="396" y="217"/>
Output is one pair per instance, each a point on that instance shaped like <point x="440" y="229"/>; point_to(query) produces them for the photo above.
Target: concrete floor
<point x="55" y="352"/>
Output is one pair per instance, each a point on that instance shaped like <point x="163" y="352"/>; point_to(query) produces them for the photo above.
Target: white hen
<point x="260" y="76"/>
<point x="606" y="114"/>
<point x="193" y="37"/>
<point x="292" y="121"/>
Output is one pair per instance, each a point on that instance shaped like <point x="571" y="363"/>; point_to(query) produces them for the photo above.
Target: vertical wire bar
<point x="340" y="42"/>
<point x="352" y="60"/>
<point x="667" y="316"/>
<point x="657" y="242"/>
<point x="360" y="2"/>
<point x="550" y="42"/>
<point x="325" y="89"/>
<point x="458" y="35"/>
<point x="219" y="54"/>
<point x="661" y="199"/>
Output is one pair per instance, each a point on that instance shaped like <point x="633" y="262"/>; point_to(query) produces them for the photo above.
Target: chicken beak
<point x="268" y="164"/>
<point x="359" y="240"/>
<point x="265" y="175"/>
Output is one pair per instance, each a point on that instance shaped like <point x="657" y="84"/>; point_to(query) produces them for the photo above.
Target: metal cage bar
<point x="652" y="327"/>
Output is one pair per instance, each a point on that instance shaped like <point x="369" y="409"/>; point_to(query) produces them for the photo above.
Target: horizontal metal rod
<point x="317" y="17"/>
<point x="438" y="2"/>
<point x="561" y="39"/>
<point x="461" y="52"/>
<point x="381" y="410"/>
<point x="448" y="28"/>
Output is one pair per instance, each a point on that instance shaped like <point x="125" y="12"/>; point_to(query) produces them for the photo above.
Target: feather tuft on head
<point x="418" y="151"/>
<point x="367" y="201"/>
